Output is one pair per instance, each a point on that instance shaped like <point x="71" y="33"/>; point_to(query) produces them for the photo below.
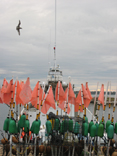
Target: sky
<point x="86" y="40"/>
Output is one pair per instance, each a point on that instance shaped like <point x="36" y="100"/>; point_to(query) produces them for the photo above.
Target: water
<point x="4" y="109"/>
<point x="3" y="114"/>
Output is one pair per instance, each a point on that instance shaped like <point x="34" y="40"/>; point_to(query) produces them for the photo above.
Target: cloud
<point x="85" y="40"/>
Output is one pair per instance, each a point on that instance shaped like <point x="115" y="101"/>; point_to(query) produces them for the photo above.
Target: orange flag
<point x="78" y="98"/>
<point x="59" y="95"/>
<point x="49" y="102"/>
<point x="1" y="96"/>
<point x="4" y="86"/>
<point x="25" y="94"/>
<point x="70" y="94"/>
<point x="18" y="100"/>
<point x="101" y="96"/>
<point x="9" y="87"/>
<point x="87" y="89"/>
<point x="22" y="84"/>
<point x="78" y="101"/>
<point x="71" y="98"/>
<point x="88" y="99"/>
<point x="35" y="94"/>
<point x="77" y="108"/>
<point x="7" y="92"/>
<point x="62" y="103"/>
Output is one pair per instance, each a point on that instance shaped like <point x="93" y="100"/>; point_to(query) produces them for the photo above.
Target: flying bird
<point x="18" y="27"/>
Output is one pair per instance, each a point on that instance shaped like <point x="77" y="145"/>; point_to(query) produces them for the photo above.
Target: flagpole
<point x="20" y="103"/>
<point x="98" y="108"/>
<point x="38" y="92"/>
<point x="82" y="100"/>
<point x="42" y="99"/>
<point x="84" y="118"/>
<point x="58" y="97"/>
<point x="112" y="119"/>
<point x="95" y="101"/>
<point x="15" y="102"/>
<point x="84" y="106"/>
<point x="79" y="109"/>
<point x="46" y="96"/>
<point x="12" y="115"/>
<point x="27" y="108"/>
<point x="64" y="108"/>
<point x="67" y="96"/>
<point x="105" y="102"/>
<point x="109" y="103"/>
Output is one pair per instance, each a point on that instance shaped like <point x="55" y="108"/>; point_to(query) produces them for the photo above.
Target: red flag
<point x="4" y="86"/>
<point x="87" y="89"/>
<point x="88" y="99"/>
<point x="78" y="98"/>
<point x="18" y="100"/>
<point x="49" y="102"/>
<point x="59" y="95"/>
<point x="71" y="97"/>
<point x="78" y="101"/>
<point x="8" y="92"/>
<point x="22" y="84"/>
<point x="101" y="96"/>
<point x="70" y="94"/>
<point x="62" y="97"/>
<point x="77" y="107"/>
<point x="1" y="96"/>
<point x="62" y="104"/>
<point x="10" y="87"/>
<point x="25" y="94"/>
<point x="34" y="95"/>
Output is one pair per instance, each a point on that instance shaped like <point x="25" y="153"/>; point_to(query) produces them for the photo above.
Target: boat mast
<point x="55" y="43"/>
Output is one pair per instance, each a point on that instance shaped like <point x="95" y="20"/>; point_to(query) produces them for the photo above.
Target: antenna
<point x="49" y="51"/>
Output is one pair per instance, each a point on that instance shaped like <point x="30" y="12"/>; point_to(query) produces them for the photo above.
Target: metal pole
<point x="95" y="101"/>
<point x="35" y="146"/>
<point x="84" y="146"/>
<point x="90" y="146"/>
<point x="26" y="146"/>
<point x="11" y="145"/>
<point x="108" y="148"/>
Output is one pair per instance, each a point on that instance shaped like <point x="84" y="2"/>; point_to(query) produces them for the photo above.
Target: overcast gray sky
<point x="86" y="40"/>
